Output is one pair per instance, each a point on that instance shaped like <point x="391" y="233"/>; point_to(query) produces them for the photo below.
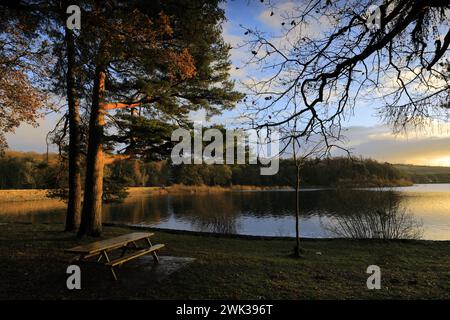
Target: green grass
<point x="33" y="267"/>
<point x="422" y="170"/>
<point x="425" y="174"/>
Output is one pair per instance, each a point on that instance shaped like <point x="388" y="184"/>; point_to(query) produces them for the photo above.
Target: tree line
<point x="29" y="170"/>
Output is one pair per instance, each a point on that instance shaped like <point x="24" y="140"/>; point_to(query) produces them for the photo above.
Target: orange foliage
<point x="119" y="105"/>
<point x="164" y="24"/>
<point x="181" y="65"/>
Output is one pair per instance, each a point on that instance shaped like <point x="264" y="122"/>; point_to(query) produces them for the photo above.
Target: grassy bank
<point x="33" y="266"/>
<point x="425" y="174"/>
<point x="185" y="189"/>
<point x="23" y="195"/>
<point x="41" y="194"/>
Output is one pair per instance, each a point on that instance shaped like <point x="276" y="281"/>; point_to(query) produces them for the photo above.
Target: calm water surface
<point x="422" y="210"/>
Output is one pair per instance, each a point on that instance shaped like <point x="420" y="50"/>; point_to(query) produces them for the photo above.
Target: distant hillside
<point x="20" y="170"/>
<point x="425" y="174"/>
<point x="29" y="170"/>
<point x="31" y="155"/>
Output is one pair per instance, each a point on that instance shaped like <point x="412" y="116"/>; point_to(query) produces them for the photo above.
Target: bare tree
<point x="329" y="54"/>
<point x="304" y="147"/>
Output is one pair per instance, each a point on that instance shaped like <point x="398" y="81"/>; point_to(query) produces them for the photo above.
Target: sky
<point x="365" y="133"/>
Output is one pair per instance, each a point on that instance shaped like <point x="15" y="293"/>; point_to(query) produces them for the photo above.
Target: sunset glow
<point x="442" y="161"/>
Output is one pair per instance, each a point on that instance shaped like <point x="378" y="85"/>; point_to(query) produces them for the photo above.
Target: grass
<point x="426" y="174"/>
<point x="422" y="170"/>
<point x="33" y="267"/>
<point x="23" y="195"/>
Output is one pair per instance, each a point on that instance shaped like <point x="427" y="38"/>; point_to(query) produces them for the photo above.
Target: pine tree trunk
<point x="74" y="204"/>
<point x="91" y="218"/>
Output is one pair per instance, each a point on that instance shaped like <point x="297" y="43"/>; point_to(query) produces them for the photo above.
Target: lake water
<point x="420" y="211"/>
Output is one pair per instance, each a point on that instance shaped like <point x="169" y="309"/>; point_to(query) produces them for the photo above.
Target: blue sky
<point x="366" y="134"/>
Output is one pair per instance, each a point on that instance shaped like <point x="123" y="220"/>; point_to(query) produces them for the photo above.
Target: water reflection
<point x="370" y="214"/>
<point x="51" y="211"/>
<point x="378" y="215"/>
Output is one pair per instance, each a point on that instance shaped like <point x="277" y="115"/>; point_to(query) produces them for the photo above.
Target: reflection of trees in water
<point x="206" y="212"/>
<point x="36" y="211"/>
<point x="376" y="215"/>
<point x="146" y="209"/>
<point x="220" y="213"/>
<point x="222" y="223"/>
<point x="351" y="213"/>
<point x="214" y="213"/>
<point x="275" y="203"/>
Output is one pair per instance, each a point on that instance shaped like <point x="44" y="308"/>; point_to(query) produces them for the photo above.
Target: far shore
<point x="18" y="195"/>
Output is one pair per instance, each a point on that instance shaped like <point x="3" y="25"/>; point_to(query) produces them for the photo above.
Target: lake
<point x="420" y="211"/>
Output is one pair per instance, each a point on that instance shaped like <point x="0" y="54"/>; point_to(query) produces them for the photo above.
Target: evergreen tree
<point x="165" y="56"/>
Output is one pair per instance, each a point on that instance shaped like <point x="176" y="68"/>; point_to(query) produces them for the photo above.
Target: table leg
<point x="124" y="250"/>
<point x="105" y="255"/>
<point x="155" y="256"/>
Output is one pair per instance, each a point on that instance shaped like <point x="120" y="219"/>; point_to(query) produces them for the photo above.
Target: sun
<point x="441" y="161"/>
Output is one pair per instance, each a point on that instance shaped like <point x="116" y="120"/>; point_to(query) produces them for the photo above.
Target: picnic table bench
<point x="126" y="242"/>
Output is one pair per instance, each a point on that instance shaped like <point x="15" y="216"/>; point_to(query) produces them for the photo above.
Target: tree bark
<point x="74" y="204"/>
<point x="297" y="213"/>
<point x="91" y="218"/>
<point x="298" y="164"/>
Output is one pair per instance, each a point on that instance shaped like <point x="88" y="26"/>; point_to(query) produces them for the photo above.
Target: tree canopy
<point x="24" y="57"/>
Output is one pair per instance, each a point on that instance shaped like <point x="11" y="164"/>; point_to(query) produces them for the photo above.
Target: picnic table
<point x="101" y="250"/>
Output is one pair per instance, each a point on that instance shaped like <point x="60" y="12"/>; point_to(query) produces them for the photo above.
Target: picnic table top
<point x="109" y="243"/>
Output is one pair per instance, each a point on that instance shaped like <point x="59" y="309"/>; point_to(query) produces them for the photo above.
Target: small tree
<point x="304" y="147"/>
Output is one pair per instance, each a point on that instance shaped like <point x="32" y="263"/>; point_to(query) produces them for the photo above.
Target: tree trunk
<point x="74" y="204"/>
<point x="297" y="213"/>
<point x="91" y="218"/>
<point x="297" y="163"/>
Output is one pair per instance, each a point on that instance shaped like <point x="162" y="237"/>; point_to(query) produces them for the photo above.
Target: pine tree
<point x="165" y="56"/>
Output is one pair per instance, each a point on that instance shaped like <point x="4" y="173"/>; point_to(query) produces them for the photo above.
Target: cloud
<point x="425" y="84"/>
<point x="426" y="147"/>
<point x="233" y="34"/>
<point x="314" y="27"/>
<point x="29" y="138"/>
<point x="280" y="11"/>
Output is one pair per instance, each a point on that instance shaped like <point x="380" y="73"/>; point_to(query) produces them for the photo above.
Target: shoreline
<point x="19" y="195"/>
<point x="209" y="234"/>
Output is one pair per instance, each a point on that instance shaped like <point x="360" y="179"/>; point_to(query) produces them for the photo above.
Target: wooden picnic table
<point x="126" y="242"/>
